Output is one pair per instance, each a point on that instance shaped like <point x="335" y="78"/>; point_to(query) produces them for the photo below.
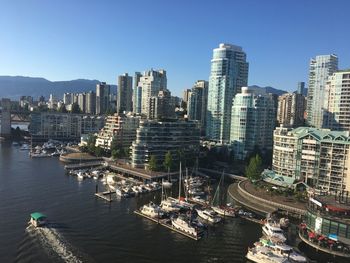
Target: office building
<point x="321" y="68"/>
<point x="319" y="157"/>
<point x="124" y="97"/>
<point x="157" y="138"/>
<point x="301" y="88"/>
<point x="151" y="83"/>
<point x="252" y="122"/>
<point x="229" y="72"/>
<point x="291" y="108"/>
<point x="337" y="112"/>
<point x="119" y="128"/>
<point x="103" y="94"/>
<point x="82" y="102"/>
<point x="197" y="103"/>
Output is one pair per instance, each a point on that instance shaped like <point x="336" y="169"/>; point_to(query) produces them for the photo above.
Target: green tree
<point x="62" y="109"/>
<point x="98" y="151"/>
<point x="115" y="154"/>
<point x="254" y="169"/>
<point x="168" y="161"/>
<point x="152" y="164"/>
<point x="75" y="108"/>
<point x="91" y="143"/>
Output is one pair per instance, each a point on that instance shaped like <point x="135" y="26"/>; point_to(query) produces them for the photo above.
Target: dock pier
<point x="103" y="195"/>
<point x="164" y="222"/>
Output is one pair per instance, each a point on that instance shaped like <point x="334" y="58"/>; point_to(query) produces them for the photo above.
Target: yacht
<point x="224" y="211"/>
<point x="282" y="250"/>
<point x="273" y="230"/>
<point x="120" y="192"/>
<point x="209" y="215"/>
<point x="152" y="210"/>
<point x="183" y="224"/>
<point x="80" y="175"/>
<point x="169" y="206"/>
<point x="262" y="254"/>
<point x="167" y="184"/>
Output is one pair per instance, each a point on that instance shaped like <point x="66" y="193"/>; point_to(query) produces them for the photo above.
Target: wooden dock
<point x="164" y="222"/>
<point x="103" y="195"/>
<point x="254" y="220"/>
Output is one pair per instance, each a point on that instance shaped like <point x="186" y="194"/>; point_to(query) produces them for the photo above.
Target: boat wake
<point x="52" y="240"/>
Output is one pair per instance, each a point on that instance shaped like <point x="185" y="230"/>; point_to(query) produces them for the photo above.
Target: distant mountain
<point x="15" y="86"/>
<point x="269" y="89"/>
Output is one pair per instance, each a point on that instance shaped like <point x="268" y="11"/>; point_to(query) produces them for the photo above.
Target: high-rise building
<point x="319" y="157"/>
<point x="124" y="97"/>
<point x="229" y="72"/>
<point x="137" y="93"/>
<point x="197" y="103"/>
<point x="82" y="102"/>
<point x="337" y="110"/>
<point x="161" y="106"/>
<point x="321" y="68"/>
<point x="186" y="95"/>
<point x="90" y="102"/>
<point x="170" y="136"/>
<point x="291" y="108"/>
<point x="68" y="98"/>
<point x="151" y="82"/>
<point x="102" y="98"/>
<point x="301" y="88"/>
<point x="252" y="122"/>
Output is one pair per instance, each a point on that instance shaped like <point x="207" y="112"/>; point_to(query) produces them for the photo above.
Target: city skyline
<point x="69" y="46"/>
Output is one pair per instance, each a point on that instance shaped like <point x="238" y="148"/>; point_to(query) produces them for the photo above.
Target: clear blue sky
<point x="69" y="39"/>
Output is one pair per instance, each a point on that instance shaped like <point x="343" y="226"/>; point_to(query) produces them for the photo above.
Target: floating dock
<point x="165" y="223"/>
<point x="254" y="220"/>
<point x="104" y="195"/>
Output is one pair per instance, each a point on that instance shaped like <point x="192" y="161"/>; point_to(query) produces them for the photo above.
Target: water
<point x="85" y="229"/>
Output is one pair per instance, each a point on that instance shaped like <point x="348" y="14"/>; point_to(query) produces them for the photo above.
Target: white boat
<point x="121" y="192"/>
<point x="167" y="184"/>
<point x="224" y="211"/>
<point x="282" y="250"/>
<point x="169" y="206"/>
<point x="183" y="224"/>
<point x="262" y="254"/>
<point x="152" y="210"/>
<point x="209" y="215"/>
<point x="80" y="175"/>
<point x="273" y="230"/>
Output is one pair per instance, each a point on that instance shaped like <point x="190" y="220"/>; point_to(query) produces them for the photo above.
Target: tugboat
<point x="38" y="219"/>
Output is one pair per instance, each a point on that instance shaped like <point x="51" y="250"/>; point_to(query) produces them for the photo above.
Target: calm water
<point x="86" y="229"/>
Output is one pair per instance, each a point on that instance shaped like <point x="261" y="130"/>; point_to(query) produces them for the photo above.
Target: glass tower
<point x="229" y="72"/>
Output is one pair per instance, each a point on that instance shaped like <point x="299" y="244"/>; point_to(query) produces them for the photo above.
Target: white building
<point x="229" y="72"/>
<point x="321" y="68"/>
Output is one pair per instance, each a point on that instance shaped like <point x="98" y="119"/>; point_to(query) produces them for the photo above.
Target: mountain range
<point x="15" y="86"/>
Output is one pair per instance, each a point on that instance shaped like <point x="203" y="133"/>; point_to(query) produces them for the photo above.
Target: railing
<point x="264" y="201"/>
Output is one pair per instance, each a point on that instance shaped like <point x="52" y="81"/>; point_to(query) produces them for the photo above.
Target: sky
<point x="101" y="39"/>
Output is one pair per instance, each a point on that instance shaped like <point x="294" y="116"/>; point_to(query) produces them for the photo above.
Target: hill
<point x="15" y="86"/>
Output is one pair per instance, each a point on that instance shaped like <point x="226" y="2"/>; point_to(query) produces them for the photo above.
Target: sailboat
<point x="166" y="204"/>
<point x="167" y="183"/>
<point x="180" y="202"/>
<point x="216" y="202"/>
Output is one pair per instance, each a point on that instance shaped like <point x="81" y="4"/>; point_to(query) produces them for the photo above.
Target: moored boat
<point x="260" y="254"/>
<point x="184" y="224"/>
<point x="152" y="210"/>
<point x="209" y="215"/>
<point x="273" y="230"/>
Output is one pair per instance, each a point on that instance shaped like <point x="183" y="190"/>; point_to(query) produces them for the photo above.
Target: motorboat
<point x="183" y="224"/>
<point x="282" y="250"/>
<point x="261" y="254"/>
<point x="152" y="210"/>
<point x="273" y="229"/>
<point x="80" y="175"/>
<point x="169" y="206"/>
<point x="209" y="215"/>
<point x="224" y="211"/>
<point x="167" y="184"/>
<point x="38" y="219"/>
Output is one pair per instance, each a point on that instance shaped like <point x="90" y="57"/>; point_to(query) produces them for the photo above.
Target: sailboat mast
<point x="180" y="182"/>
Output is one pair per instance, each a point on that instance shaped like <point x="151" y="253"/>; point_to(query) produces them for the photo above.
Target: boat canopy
<point x="37" y="216"/>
